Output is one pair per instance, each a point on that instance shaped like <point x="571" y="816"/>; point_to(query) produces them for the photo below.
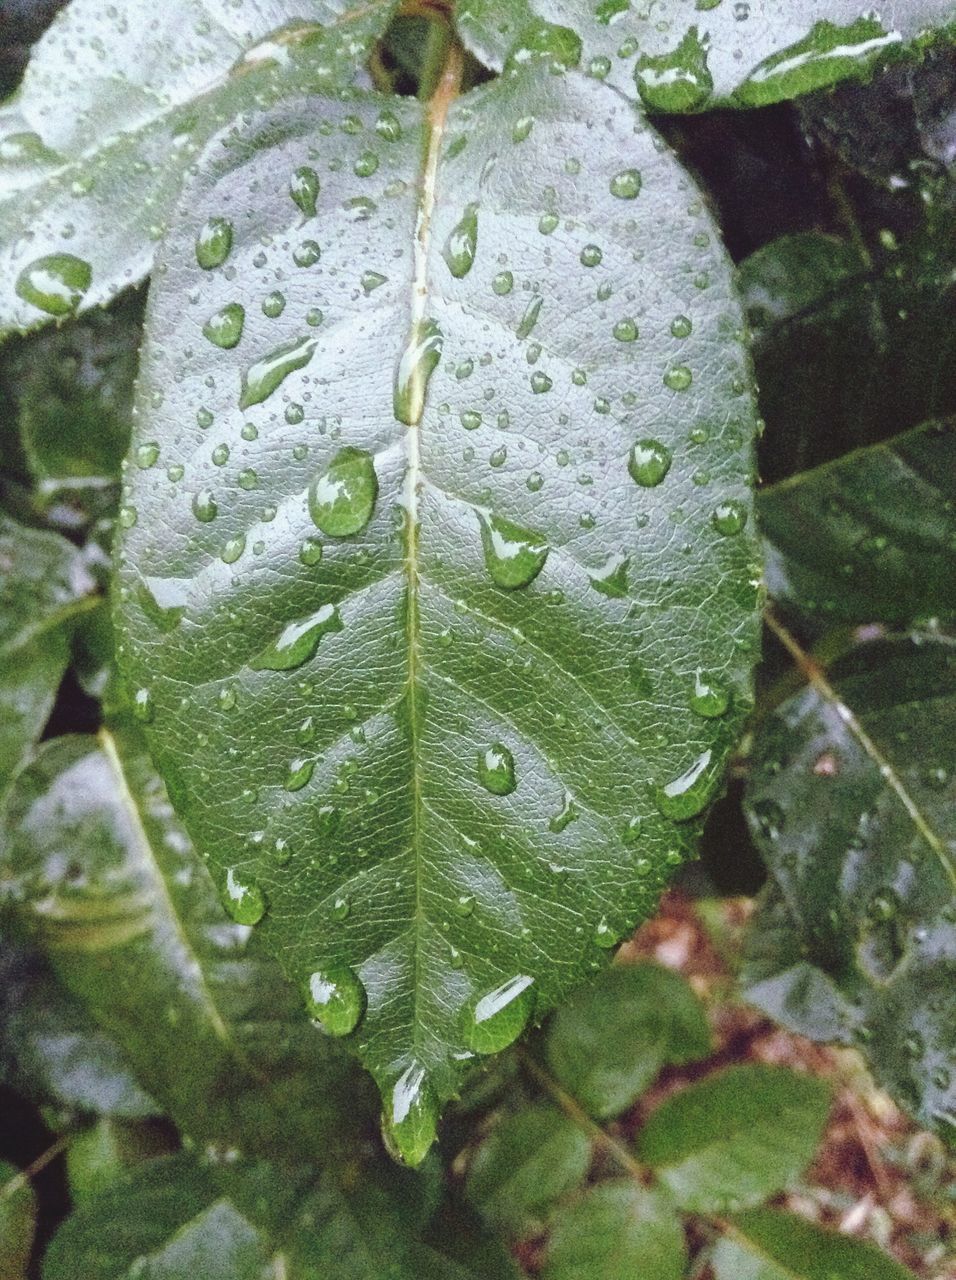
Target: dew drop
<point x="298" y="641"/>
<point x="307" y="253"/>
<point x="214" y="243"/>
<point x="503" y="283"/>
<point x="341" y="909"/>
<point x="411" y="1119"/>
<point x="273" y="304"/>
<point x="611" y="578"/>
<point x="497" y="1019"/>
<point x="514" y="556"/>
<point x="224" y="327"/>
<point x="496" y="769"/>
<point x="465" y="905"/>
<point x="678" y="377"/>
<point x="143" y="705"/>
<point x="681" y="327"/>
<point x="676" y="81"/>
<point x="265" y="375"/>
<point x="299" y="773"/>
<point x="567" y="814"/>
<point x="625" y="330"/>
<point x="243" y="898"/>
<point x="530" y="317"/>
<point x="605" y="936"/>
<point x="686" y="795"/>
<point x="710" y="698"/>
<point x="342" y="497"/>
<point x="729" y="518"/>
<point x="591" y="255"/>
<point x="55" y="283"/>
<point x="626" y="185"/>
<point x="205" y="507"/>
<point x="462" y="243"/>
<point x="335" y="998"/>
<point x="649" y="462"/>
<point x="304" y="190"/>
<point x="372" y="280"/>
<point x="415" y="368"/>
<point x="310" y="551"/>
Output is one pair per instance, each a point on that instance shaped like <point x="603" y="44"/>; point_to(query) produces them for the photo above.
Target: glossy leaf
<point x="112" y="111"/>
<point x="425" y="591"/>
<point x="736" y="1137"/>
<point x="768" y="1245"/>
<point x="527" y="1163"/>
<point x="613" y="1036"/>
<point x="851" y="801"/>
<point x="616" y="1231"/>
<point x="17" y="1222"/>
<point x="689" y="57"/>
<point x="871" y="537"/>
<point x="97" y="865"/>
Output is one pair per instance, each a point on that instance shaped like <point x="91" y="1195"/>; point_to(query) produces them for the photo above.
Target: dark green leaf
<point x="97" y="864"/>
<point x="611" y="1039"/>
<point x="736" y="1137"/>
<point x="17" y="1223"/>
<point x="422" y="774"/>
<point x="851" y="801"/>
<point x="617" y="1231"/>
<point x="794" y="274"/>
<point x="527" y="1163"/>
<point x="767" y="1245"/>
<point x="683" y="57"/>
<point x="113" y="108"/>
<point x="872" y="537"/>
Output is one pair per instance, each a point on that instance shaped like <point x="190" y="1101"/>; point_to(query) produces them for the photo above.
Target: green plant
<point x="376" y="699"/>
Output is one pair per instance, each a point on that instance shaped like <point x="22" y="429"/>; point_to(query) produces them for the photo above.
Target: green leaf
<point x="768" y="1245"/>
<point x="851" y="801"/>
<point x="97" y="865"/>
<point x="527" y="1163"/>
<point x="43" y="584"/>
<point x="679" y="57"/>
<point x="17" y="1222"/>
<point x="115" y="104"/>
<point x="871" y="537"/>
<point x="422" y="775"/>
<point x="736" y="1137"/>
<point x="607" y="1044"/>
<point x="616" y="1231"/>
<point x="793" y="274"/>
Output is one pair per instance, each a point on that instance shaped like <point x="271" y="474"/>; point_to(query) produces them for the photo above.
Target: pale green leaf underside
<point x="117" y="102"/>
<point x="757" y="51"/>
<point x="347" y="789"/>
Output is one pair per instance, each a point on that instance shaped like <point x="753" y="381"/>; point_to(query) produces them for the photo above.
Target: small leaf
<point x="17" y="1222"/>
<point x="736" y="1137"/>
<point x="871" y="537"/>
<point x="611" y="1039"/>
<point x="616" y="1231"/>
<point x="851" y="802"/>
<point x="530" y="1160"/>
<point x="768" y="1245"/>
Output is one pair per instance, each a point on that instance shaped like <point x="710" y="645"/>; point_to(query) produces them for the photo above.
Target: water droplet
<point x="465" y="905"/>
<point x="497" y="1019"/>
<point x="676" y="81"/>
<point x="261" y="378"/>
<point x="273" y="304"/>
<point x="729" y="518"/>
<point x="686" y="795"/>
<point x="530" y="317"/>
<point x="649" y="462"/>
<point x="304" y="189"/>
<point x="372" y="280"/>
<point x="567" y="814"/>
<point x="547" y="223"/>
<point x="591" y="255"/>
<point x="604" y="936"/>
<point x="310" y="551"/>
<point x="539" y="39"/>
<point x="496" y="770"/>
<point x="522" y="128"/>
<point x="205" y="507"/>
<point x="224" y="327"/>
<point x="711" y="697"/>
<point x="625" y="330"/>
<point x="341" y="909"/>
<point x="415" y="368"/>
<point x="143" y="705"/>
<point x="462" y="243"/>
<point x="678" y="377"/>
<point x="243" y="898"/>
<point x="298" y="641"/>
<point x="342" y="497"/>
<point x="147" y="455"/>
<point x="233" y="549"/>
<point x="626" y="185"/>
<point x="411" y="1119"/>
<point x="335" y="998"/>
<point x="632" y="831"/>
<point x="514" y="556"/>
<point x="55" y="284"/>
<point x="503" y="283"/>
<point x="681" y="327"/>
<point x="365" y="165"/>
<point x="214" y="243"/>
<point x="388" y="126"/>
<point x="300" y="772"/>
<point x="307" y="253"/>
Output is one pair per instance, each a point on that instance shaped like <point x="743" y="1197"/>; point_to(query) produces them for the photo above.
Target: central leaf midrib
<point x="436" y="114"/>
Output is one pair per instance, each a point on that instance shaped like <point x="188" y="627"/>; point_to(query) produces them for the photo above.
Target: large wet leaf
<point x="851" y="801"/>
<point x="681" y="56"/>
<point x="97" y="866"/>
<point x="115" y="105"/>
<point x="871" y="537"/>
<point x="437" y="579"/>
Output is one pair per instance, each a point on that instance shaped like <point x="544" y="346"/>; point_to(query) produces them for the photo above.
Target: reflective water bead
<point x="496" y="769"/>
<point x="304" y="189"/>
<point x="243" y="898"/>
<point x="649" y="462"/>
<point x="298" y="641"/>
<point x="498" y="1018"/>
<point x="514" y="555"/>
<point x="213" y="243"/>
<point x="626" y="185"/>
<point x="342" y="497"/>
<point x="55" y="283"/>
<point x="335" y="998"/>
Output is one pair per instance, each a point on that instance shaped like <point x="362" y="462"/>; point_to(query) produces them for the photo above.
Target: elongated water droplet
<point x="530" y="317"/>
<point x="55" y="283"/>
<point x="415" y="367"/>
<point x="541" y="39"/>
<point x="676" y="81"/>
<point x="342" y="497"/>
<point x="205" y="507"/>
<point x="496" y="769"/>
<point x="243" y="898"/>
<point x="497" y="1019"/>
<point x="462" y="243"/>
<point x="304" y="189"/>
<point x="224" y="328"/>
<point x="261" y="379"/>
<point x="214" y="243"/>
<point x="686" y="795"/>
<point x="565" y="817"/>
<point x="410" y="1121"/>
<point x="299" y="773"/>
<point x="163" y="600"/>
<point x="514" y="556"/>
<point x="611" y="578"/>
<point x="298" y="641"/>
<point x="335" y="998"/>
<point x="711" y="697"/>
<point x="649" y="462"/>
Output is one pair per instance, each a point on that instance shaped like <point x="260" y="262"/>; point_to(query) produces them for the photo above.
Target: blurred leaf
<point x="871" y="537"/>
<point x="98" y="866"/>
<point x="616" y="1231"/>
<point x="101" y="1153"/>
<point x="768" y="1245"/>
<point x="528" y="1161"/>
<point x="113" y="108"/>
<point x="17" y="1223"/>
<point x="736" y="1137"/>
<point x="612" y="1038"/>
<point x="852" y="801"/>
<point x="793" y="274"/>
